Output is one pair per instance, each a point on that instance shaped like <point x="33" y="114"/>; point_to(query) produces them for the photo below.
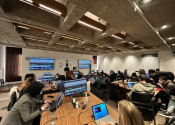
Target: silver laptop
<point x="100" y="113"/>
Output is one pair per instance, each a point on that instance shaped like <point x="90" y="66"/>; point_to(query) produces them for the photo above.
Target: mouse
<point x="84" y="106"/>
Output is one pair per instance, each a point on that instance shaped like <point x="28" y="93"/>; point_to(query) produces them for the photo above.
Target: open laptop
<point x="55" y="103"/>
<point x="100" y="113"/>
<point x="131" y="84"/>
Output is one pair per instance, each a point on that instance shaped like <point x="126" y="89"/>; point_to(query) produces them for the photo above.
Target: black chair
<point x="144" y="102"/>
<point x="3" y="84"/>
<point x="100" y="93"/>
<point x="114" y="92"/>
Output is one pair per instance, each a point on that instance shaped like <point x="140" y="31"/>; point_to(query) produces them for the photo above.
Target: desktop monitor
<point x="147" y="75"/>
<point x="72" y="87"/>
<point x="131" y="84"/>
<point x="111" y="71"/>
<point x="93" y="71"/>
<point x="48" y="78"/>
<point x="59" y="98"/>
<point x="76" y="74"/>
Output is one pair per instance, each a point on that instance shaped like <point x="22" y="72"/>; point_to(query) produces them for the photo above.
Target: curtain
<point x="13" y="64"/>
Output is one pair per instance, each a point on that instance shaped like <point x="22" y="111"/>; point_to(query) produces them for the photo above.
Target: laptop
<point x="100" y="113"/>
<point x="131" y="84"/>
<point x="55" y="103"/>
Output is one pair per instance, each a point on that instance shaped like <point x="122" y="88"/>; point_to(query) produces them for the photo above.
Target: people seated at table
<point x="26" y="108"/>
<point x="142" y="87"/>
<point x="128" y="114"/>
<point x="153" y="77"/>
<point x="99" y="81"/>
<point x="168" y="88"/>
<point x="29" y="78"/>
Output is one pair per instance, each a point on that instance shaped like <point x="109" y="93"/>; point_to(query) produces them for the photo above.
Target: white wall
<point x="167" y="61"/>
<point x="2" y="61"/>
<point x="131" y="62"/>
<point x="60" y="58"/>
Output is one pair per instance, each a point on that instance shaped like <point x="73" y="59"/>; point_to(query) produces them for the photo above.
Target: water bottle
<point x="86" y="99"/>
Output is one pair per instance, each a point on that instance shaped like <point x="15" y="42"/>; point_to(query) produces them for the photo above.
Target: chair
<point x="144" y="101"/>
<point x="100" y="93"/>
<point x="3" y="84"/>
<point x="114" y="91"/>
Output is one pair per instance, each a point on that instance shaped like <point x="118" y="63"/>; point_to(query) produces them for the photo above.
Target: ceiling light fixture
<point x="173" y="44"/>
<point x="23" y="27"/>
<point x="131" y="43"/>
<point x="114" y="36"/>
<point x="88" y="25"/>
<point x="164" y="27"/>
<point x="143" y="2"/>
<point x="170" y="38"/>
<point x="51" y="6"/>
<point x="47" y="32"/>
<point x="50" y="9"/>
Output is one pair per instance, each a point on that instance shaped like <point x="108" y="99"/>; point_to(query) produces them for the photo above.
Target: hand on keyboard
<point x="45" y="106"/>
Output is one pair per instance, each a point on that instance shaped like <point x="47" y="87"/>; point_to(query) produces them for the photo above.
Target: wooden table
<point x="126" y="89"/>
<point x="67" y="115"/>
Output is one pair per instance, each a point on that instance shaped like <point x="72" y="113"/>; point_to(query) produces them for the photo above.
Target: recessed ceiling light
<point x="170" y="38"/>
<point x="164" y="27"/>
<point x="131" y="43"/>
<point x="173" y="44"/>
<point x="143" y="2"/>
<point x="114" y="36"/>
<point x="23" y="27"/>
<point x="49" y="9"/>
<point x="88" y="25"/>
<point x="82" y="42"/>
<point x="47" y="32"/>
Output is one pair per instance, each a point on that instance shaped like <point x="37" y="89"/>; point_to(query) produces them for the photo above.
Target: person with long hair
<point x="128" y="114"/>
<point x="29" y="78"/>
<point x="26" y="108"/>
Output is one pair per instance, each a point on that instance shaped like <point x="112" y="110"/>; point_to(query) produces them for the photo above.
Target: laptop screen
<point x="59" y="98"/>
<point x="131" y="84"/>
<point x="99" y="111"/>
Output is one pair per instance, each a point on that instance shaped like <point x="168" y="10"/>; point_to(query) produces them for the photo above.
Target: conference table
<point x="66" y="114"/>
<point x="126" y="89"/>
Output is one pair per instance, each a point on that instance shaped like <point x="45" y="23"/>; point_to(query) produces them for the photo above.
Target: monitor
<point x="111" y="71"/>
<point x="76" y="74"/>
<point x="47" y="74"/>
<point x="93" y="71"/>
<point x="48" y="78"/>
<point x="75" y="86"/>
<point x="59" y="98"/>
<point x="37" y="63"/>
<point x="147" y="75"/>
<point x="99" y="111"/>
<point x="131" y="84"/>
<point x="84" y="64"/>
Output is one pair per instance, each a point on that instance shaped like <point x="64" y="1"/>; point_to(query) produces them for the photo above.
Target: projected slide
<point x="41" y="63"/>
<point x="84" y="64"/>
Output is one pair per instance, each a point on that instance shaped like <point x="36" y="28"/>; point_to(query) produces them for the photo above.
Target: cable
<point x="79" y="117"/>
<point x="55" y="118"/>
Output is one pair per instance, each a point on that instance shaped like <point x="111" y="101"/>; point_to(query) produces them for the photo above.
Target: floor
<point x="4" y="101"/>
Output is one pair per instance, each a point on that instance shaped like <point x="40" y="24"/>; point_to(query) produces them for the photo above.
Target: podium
<point x="72" y="73"/>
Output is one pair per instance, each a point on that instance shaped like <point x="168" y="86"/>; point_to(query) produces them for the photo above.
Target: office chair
<point x="144" y="102"/>
<point x="100" y="93"/>
<point x="114" y="92"/>
<point x="3" y="84"/>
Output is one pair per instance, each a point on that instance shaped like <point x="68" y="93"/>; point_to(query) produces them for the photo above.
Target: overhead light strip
<point x="88" y="25"/>
<point x="23" y="27"/>
<point x="50" y="9"/>
<point x="43" y="7"/>
<point x="114" y="36"/>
